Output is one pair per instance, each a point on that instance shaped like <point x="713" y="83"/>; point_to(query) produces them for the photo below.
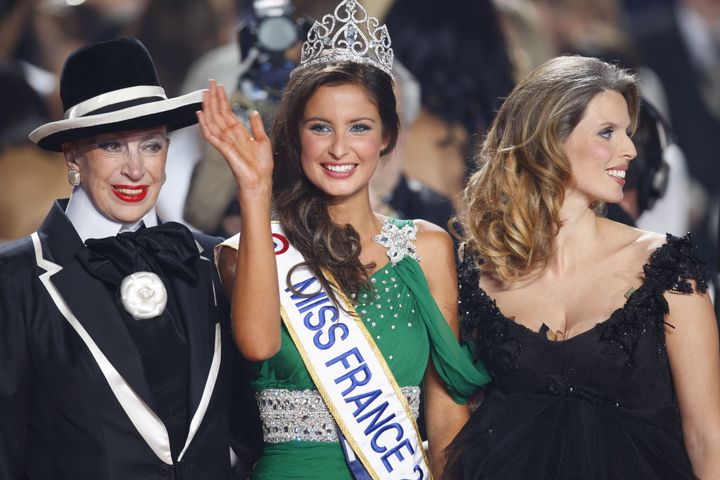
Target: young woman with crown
<point x="345" y="311"/>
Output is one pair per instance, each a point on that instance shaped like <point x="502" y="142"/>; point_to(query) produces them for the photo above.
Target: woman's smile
<point x="341" y="139"/>
<point x="130" y="193"/>
<point x="340" y="170"/>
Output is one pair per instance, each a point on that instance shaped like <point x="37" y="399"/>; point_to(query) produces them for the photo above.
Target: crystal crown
<point x="349" y="35"/>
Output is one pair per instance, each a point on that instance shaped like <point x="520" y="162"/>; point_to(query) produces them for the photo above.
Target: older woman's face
<point x="121" y="172"/>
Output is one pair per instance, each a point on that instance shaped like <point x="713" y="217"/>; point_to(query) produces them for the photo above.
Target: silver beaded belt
<point x="302" y="415"/>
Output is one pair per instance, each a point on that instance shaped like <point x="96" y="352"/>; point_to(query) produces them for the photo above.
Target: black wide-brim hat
<point x="113" y="87"/>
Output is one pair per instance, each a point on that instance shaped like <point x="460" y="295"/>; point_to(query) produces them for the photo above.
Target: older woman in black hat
<point x="113" y="363"/>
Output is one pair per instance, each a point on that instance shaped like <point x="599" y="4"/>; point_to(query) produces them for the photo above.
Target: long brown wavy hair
<point x="301" y="207"/>
<point x="513" y="200"/>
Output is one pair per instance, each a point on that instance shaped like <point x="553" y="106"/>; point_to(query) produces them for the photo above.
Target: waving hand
<point x="256" y="325"/>
<point x="248" y="153"/>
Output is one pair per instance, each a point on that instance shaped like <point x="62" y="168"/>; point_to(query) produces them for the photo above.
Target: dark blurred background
<point x="457" y="59"/>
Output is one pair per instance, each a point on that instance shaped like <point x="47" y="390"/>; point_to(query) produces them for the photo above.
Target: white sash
<point x="350" y="373"/>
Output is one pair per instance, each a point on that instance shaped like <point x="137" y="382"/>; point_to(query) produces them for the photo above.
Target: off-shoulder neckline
<point x="671" y="241"/>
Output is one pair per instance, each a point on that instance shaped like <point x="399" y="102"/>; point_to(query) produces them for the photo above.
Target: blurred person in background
<point x="583" y="25"/>
<point x="19" y="46"/>
<point x="14" y="16"/>
<point x="265" y="50"/>
<point x="178" y="32"/>
<point x="457" y="53"/>
<point x="40" y="34"/>
<point x="528" y="44"/>
<point x="680" y="42"/>
<point x="30" y="178"/>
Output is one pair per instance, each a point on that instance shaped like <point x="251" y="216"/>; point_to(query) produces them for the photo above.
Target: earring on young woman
<point x="73" y="177"/>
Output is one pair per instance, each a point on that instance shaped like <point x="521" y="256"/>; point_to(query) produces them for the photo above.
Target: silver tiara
<point x="349" y="35"/>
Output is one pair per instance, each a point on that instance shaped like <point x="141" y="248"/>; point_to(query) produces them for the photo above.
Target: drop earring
<point x="73" y="177"/>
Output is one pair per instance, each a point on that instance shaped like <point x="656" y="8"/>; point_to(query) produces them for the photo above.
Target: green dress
<point x="408" y="328"/>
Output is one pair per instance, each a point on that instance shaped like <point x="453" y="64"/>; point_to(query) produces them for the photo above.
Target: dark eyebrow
<point x="315" y="119"/>
<point x="614" y="125"/>
<point x="362" y="119"/>
<point x="353" y="120"/>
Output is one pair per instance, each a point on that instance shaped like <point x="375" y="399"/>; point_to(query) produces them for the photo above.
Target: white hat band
<point x="116" y="96"/>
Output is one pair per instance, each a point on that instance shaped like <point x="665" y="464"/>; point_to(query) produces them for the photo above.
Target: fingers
<point x="208" y="116"/>
<point x="215" y="103"/>
<point x="250" y="160"/>
<point x="219" y="125"/>
<point x="257" y="127"/>
<point x="214" y="109"/>
<point x="223" y="104"/>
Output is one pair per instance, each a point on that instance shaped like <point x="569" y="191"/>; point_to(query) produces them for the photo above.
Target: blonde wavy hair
<point x="513" y="200"/>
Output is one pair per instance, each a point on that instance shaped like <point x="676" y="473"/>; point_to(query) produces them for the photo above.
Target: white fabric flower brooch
<point x="143" y="295"/>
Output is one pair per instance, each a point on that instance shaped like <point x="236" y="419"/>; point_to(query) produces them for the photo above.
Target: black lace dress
<point x="599" y="405"/>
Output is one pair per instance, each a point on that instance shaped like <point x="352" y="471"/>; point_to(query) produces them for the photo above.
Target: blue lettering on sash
<point x="362" y="400"/>
<point x="301" y="286"/>
<point x="374" y="442"/>
<point x="324" y="345"/>
<point x="307" y="303"/>
<point x="352" y="375"/>
<point x="313" y="326"/>
<point x="374" y="423"/>
<point x="395" y="451"/>
<point x="344" y="356"/>
<point x="358" y="375"/>
<point x="322" y="314"/>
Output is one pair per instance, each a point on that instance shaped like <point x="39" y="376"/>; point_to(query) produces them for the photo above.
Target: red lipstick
<point x="130" y="193"/>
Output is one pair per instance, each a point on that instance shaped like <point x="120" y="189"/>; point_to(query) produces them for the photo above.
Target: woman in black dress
<point x="600" y="338"/>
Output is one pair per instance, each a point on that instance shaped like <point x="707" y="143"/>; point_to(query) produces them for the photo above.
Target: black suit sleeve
<point x="15" y="375"/>
<point x="245" y="427"/>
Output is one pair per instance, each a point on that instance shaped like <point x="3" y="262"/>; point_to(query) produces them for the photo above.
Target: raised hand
<point x="256" y="325"/>
<point x="248" y="153"/>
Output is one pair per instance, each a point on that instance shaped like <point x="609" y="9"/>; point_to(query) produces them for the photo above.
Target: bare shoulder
<point x="432" y="240"/>
<point x="437" y="260"/>
<point x="635" y="241"/>
<point x="650" y="241"/>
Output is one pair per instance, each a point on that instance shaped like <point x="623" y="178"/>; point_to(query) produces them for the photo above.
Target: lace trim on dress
<point x="671" y="266"/>
<point x="494" y="338"/>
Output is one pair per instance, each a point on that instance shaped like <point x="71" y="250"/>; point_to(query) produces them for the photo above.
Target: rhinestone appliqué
<point x="400" y="242"/>
<point x="301" y="415"/>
